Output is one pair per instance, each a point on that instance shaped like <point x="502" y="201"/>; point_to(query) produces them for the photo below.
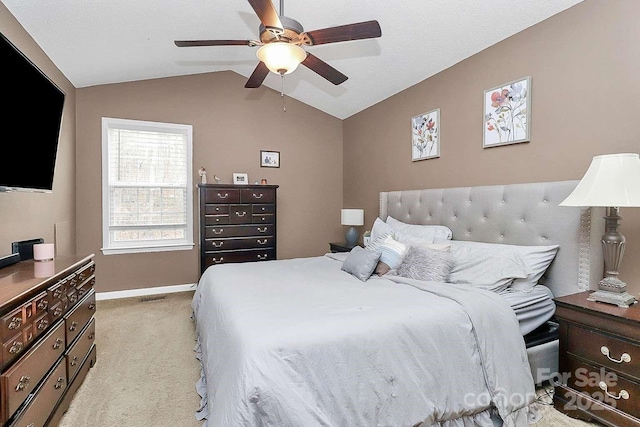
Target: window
<point x="147" y="202"/>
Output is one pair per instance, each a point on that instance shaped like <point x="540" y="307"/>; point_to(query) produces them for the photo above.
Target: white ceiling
<point x="111" y="41"/>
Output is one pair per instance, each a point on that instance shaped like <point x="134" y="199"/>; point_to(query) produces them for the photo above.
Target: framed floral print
<point x="425" y="135"/>
<point x="507" y="113"/>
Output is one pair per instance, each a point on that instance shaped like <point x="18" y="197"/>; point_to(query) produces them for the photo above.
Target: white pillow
<point x="392" y="253"/>
<point x="380" y="228"/>
<point x="536" y="258"/>
<point x="415" y="233"/>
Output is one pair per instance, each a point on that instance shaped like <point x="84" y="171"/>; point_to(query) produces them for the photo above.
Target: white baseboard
<point x="145" y="291"/>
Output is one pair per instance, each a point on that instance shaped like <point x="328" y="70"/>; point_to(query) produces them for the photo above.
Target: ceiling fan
<point x="281" y="39"/>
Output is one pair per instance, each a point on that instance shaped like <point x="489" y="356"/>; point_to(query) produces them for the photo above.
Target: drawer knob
<point x="218" y="244"/>
<point x="42" y="304"/>
<point x="92" y="306"/>
<point x="262" y="257"/>
<point x="24" y="381"/>
<point x="218" y="231"/>
<point x="624" y="358"/>
<point x="257" y="196"/>
<point x="262" y="229"/>
<point x="262" y="242"/>
<point x="73" y="326"/>
<point x="74" y="361"/>
<point x="241" y="215"/>
<point x="218" y="261"/>
<point x="57" y="344"/>
<point x="624" y="394"/>
<point x="59" y="383"/>
<point x="16" y="347"/>
<point x="223" y="197"/>
<point x="15" y="323"/>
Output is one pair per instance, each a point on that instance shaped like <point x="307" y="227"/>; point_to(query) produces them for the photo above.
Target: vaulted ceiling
<point x="112" y="41"/>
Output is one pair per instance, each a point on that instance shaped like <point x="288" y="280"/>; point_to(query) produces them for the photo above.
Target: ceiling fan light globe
<point x="281" y="57"/>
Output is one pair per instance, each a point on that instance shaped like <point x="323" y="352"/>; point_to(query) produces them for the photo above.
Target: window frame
<point x="108" y="248"/>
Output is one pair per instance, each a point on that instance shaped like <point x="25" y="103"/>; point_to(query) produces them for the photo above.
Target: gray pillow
<point x="425" y="264"/>
<point x="361" y="263"/>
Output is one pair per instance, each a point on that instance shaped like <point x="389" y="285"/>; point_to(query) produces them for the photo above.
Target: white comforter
<point x="301" y="343"/>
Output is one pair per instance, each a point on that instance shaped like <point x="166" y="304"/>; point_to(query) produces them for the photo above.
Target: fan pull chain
<point x="284" y="107"/>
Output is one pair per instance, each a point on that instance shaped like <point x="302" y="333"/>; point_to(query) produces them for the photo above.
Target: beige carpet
<point x="146" y="369"/>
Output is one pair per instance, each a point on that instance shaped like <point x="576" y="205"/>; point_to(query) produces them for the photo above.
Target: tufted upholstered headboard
<point x="517" y="214"/>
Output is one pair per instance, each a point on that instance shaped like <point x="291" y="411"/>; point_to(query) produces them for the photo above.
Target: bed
<point x="301" y="342"/>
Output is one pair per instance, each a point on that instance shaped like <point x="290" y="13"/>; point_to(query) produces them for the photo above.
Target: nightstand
<point x="599" y="347"/>
<point x="340" y="247"/>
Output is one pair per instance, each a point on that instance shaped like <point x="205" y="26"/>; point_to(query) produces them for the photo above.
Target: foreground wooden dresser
<point x="599" y="361"/>
<point x="48" y="333"/>
<point x="237" y="223"/>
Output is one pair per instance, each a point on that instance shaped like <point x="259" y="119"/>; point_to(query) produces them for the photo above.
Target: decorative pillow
<point x="391" y="254"/>
<point x="380" y="228"/>
<point x="536" y="259"/>
<point x="413" y="233"/>
<point x="361" y="263"/>
<point x="425" y="264"/>
<point x="374" y="245"/>
<point x="486" y="267"/>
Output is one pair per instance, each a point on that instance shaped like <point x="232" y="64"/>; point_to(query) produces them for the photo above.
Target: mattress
<point x="533" y="308"/>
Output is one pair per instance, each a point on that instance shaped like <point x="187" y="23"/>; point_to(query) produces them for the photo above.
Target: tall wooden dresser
<point x="237" y="223"/>
<point x="48" y="334"/>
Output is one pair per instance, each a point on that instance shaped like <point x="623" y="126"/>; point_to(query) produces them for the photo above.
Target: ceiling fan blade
<point x="258" y="76"/>
<point x="342" y="33"/>
<point x="268" y="15"/>
<point x="325" y="70"/>
<point x="191" y="43"/>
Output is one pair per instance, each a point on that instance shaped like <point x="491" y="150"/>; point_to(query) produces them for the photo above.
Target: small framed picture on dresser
<point x="240" y="178"/>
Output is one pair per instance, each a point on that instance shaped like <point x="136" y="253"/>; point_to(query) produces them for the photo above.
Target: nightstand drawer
<point x="604" y="350"/>
<point x="605" y="386"/>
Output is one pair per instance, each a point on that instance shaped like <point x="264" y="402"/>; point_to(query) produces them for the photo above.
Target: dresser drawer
<point x="11" y="323"/>
<point x="77" y="353"/>
<point x="240" y="243"/>
<point x="604" y="386"/>
<point x="85" y="273"/>
<point x="255" y="195"/>
<point x="258" y="209"/>
<point x="79" y="316"/>
<point x="216" y="209"/>
<point x="216" y="219"/>
<point x="263" y="219"/>
<point x="240" y="214"/>
<point x="20" y="380"/>
<point x="86" y="286"/>
<point x="23" y="317"/>
<point x="226" y="195"/>
<point x="39" y="408"/>
<point x="594" y="347"/>
<point x="239" y="256"/>
<point x="239" y="231"/>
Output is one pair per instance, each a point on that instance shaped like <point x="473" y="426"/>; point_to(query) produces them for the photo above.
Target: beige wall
<point x="51" y="216"/>
<point x="584" y="64"/>
<point x="231" y="125"/>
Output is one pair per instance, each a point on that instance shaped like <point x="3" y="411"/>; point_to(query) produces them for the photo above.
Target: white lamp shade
<point x="612" y="180"/>
<point x="352" y="216"/>
<point x="281" y="57"/>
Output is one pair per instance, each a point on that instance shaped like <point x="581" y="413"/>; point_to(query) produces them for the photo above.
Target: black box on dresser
<point x="48" y="337"/>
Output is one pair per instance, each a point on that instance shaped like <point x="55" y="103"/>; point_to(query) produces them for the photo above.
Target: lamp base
<point x="351" y="237"/>
<point x="612" y="290"/>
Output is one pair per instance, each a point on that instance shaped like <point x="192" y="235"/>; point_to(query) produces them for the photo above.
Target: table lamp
<point x="612" y="181"/>
<point x="352" y="217"/>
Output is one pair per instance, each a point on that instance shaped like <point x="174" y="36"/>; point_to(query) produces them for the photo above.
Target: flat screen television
<point x="31" y="119"/>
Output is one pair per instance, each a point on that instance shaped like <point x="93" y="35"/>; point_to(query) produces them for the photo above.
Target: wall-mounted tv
<point x="31" y="119"/>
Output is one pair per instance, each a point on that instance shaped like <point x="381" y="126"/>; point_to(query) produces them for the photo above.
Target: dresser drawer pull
<point x="218" y="261"/>
<point x="15" y="323"/>
<point x="223" y="197"/>
<point x="624" y="394"/>
<point x="262" y="242"/>
<point x="42" y="324"/>
<point x="92" y="306"/>
<point x="73" y="326"/>
<point x="57" y="344"/>
<point x="262" y="230"/>
<point x="241" y="215"/>
<point x="74" y="361"/>
<point x="43" y="304"/>
<point x="218" y="245"/>
<point x="257" y="196"/>
<point x="625" y="356"/>
<point x="91" y="336"/>
<point x="59" y="383"/>
<point x="218" y="231"/>
<point x="263" y="257"/>
<point x="24" y="380"/>
<point x="16" y="347"/>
